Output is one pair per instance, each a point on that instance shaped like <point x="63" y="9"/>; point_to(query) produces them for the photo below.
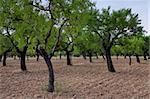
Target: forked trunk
<point x="137" y="59"/>
<point x="22" y="61"/>
<point x="109" y="61"/>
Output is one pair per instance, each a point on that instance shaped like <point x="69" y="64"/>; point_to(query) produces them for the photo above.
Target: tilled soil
<point x="82" y="80"/>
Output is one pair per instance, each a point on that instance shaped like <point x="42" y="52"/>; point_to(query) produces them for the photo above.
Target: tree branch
<point x="9" y="36"/>
<point x="58" y="37"/>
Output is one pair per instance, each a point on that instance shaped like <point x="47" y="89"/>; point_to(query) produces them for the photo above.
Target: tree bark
<point x="68" y="58"/>
<point x="37" y="57"/>
<point x="60" y="56"/>
<point x="84" y="55"/>
<point x="4" y="58"/>
<point x="51" y="75"/>
<point x="22" y="61"/>
<point x="137" y="59"/>
<point x="50" y="70"/>
<point x="145" y="58"/>
<point x="109" y="61"/>
<point x="0" y="58"/>
<point x="130" y="60"/>
<point x="90" y="57"/>
<point x="125" y="56"/>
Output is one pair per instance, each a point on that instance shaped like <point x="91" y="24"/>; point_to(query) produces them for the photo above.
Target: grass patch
<point x="58" y="87"/>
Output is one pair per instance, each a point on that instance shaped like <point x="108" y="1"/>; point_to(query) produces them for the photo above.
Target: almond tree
<point x="112" y="25"/>
<point x="59" y="14"/>
<point x="17" y="23"/>
<point x="5" y="47"/>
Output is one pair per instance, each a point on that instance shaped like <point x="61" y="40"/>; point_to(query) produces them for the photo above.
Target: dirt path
<point x="83" y="80"/>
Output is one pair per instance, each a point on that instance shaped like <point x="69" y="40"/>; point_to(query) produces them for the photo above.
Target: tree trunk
<point x="68" y="58"/>
<point x="90" y="57"/>
<point x="145" y="58"/>
<point x="84" y="55"/>
<point x="50" y="70"/>
<point x="109" y="61"/>
<point x="15" y="57"/>
<point x="60" y="56"/>
<point x="0" y="58"/>
<point x="137" y="59"/>
<point x="96" y="55"/>
<point x="4" y="58"/>
<point x="22" y="61"/>
<point x="125" y="56"/>
<point x="103" y="56"/>
<point x="129" y="59"/>
<point x="51" y="75"/>
<point x="37" y="57"/>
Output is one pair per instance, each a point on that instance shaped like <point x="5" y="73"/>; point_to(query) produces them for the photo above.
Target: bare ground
<point x="82" y="80"/>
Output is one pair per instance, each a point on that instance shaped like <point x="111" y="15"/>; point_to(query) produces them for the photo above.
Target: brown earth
<point x="82" y="80"/>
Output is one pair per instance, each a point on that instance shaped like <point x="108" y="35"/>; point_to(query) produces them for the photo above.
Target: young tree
<point x="112" y="25"/>
<point x="146" y="49"/>
<point x="18" y="25"/>
<point x="87" y="43"/>
<point x="117" y="50"/>
<point x="5" y="47"/>
<point x="59" y="14"/>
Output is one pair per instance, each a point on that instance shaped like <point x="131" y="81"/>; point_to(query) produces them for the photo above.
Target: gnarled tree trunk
<point x="109" y="61"/>
<point x="47" y="59"/>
